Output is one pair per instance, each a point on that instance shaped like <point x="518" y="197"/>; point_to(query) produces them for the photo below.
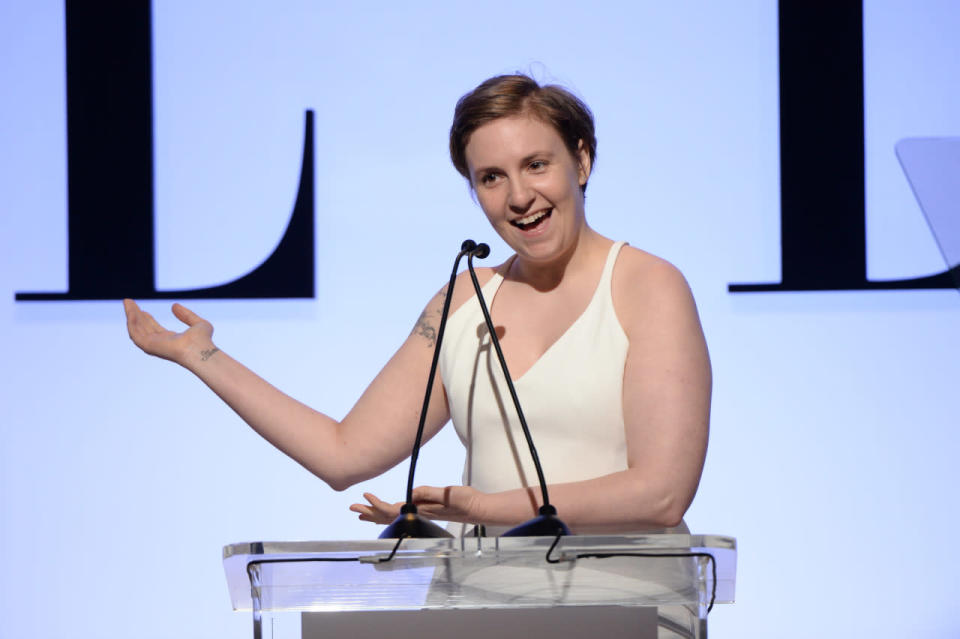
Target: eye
<point x="538" y="165"/>
<point x="488" y="179"/>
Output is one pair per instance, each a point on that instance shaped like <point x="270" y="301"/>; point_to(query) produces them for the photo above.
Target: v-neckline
<point x="583" y="313"/>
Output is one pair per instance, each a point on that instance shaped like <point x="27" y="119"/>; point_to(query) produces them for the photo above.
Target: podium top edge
<point x="636" y="542"/>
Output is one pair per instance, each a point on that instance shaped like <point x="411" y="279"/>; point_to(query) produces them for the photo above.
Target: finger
<point x="131" y="310"/>
<point x="375" y="501"/>
<point x="437" y="511"/>
<point x="139" y="322"/>
<point x="366" y="513"/>
<point x="428" y="494"/>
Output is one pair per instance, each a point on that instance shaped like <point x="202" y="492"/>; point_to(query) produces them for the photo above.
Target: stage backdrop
<point x="834" y="434"/>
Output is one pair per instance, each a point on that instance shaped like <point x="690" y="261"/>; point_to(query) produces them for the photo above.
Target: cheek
<point x="570" y="188"/>
<point x="490" y="205"/>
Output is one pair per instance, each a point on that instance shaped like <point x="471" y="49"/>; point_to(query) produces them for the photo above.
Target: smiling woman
<point x="612" y="366"/>
<point x="611" y="362"/>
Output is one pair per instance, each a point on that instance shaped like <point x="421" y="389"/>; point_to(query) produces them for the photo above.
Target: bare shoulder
<point x="429" y="320"/>
<point x="463" y="289"/>
<point x="648" y="289"/>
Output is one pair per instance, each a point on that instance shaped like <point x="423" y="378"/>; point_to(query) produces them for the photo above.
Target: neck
<point x="545" y="276"/>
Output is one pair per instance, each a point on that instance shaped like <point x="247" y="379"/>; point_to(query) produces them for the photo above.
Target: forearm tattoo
<point x="208" y="353"/>
<point x="425" y="327"/>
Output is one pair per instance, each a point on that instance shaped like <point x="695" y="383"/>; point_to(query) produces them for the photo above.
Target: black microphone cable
<point x="547" y="523"/>
<point x="655" y="555"/>
<point x="408" y="523"/>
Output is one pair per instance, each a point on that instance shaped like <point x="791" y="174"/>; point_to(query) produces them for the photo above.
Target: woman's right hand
<point x="154" y="339"/>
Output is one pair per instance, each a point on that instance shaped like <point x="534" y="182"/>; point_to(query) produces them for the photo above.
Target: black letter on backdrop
<point x="110" y="171"/>
<point x="822" y="210"/>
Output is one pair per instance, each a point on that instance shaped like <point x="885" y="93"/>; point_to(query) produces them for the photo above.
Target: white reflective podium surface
<point x="480" y="572"/>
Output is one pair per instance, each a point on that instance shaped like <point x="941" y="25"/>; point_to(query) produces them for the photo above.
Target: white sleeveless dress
<point x="572" y="397"/>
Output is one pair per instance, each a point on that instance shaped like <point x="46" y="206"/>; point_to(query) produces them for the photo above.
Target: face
<point x="529" y="186"/>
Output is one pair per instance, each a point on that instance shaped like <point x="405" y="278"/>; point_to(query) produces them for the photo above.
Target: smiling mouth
<point x="532" y="221"/>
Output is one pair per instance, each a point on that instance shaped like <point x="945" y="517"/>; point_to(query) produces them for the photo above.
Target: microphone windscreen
<point x="481" y="251"/>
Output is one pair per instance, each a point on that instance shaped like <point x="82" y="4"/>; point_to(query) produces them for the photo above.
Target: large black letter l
<point x="110" y="171"/>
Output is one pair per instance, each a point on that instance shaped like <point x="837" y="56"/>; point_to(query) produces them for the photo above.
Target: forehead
<point x="510" y="139"/>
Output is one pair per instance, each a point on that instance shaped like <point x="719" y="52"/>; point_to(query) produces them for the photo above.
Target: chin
<point x="545" y="252"/>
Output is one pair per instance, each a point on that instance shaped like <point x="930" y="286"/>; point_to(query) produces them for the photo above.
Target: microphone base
<point x="415" y="526"/>
<point x="543" y="525"/>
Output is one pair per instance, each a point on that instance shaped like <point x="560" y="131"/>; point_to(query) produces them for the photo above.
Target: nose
<point x="521" y="196"/>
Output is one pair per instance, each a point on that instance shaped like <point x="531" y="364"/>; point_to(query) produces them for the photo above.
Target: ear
<point x="583" y="161"/>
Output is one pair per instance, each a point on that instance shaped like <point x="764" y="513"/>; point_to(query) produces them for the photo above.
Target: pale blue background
<point x="833" y="449"/>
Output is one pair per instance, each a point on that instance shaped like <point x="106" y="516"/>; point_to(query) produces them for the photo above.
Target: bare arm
<point x="376" y="434"/>
<point x="667" y="385"/>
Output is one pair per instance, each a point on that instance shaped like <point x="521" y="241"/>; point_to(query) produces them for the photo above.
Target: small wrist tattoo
<point x="208" y="353"/>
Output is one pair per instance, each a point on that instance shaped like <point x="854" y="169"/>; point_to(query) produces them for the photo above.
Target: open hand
<point x="377" y="510"/>
<point x="154" y="339"/>
<point x="451" y="503"/>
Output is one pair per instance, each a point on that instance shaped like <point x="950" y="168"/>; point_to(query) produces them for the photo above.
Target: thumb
<point x="185" y="315"/>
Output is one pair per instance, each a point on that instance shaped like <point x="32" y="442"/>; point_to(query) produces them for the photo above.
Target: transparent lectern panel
<point x="670" y="580"/>
<point x="932" y="166"/>
<point x="480" y="573"/>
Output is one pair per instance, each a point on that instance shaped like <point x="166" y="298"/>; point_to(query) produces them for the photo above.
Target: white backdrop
<point x="833" y="444"/>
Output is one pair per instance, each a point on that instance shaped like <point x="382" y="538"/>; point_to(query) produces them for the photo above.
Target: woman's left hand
<point x="377" y="510"/>
<point x="451" y="503"/>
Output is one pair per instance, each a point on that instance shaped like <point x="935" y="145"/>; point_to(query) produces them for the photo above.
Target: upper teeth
<point x="530" y="219"/>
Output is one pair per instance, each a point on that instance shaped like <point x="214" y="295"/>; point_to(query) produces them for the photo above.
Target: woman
<point x="619" y="376"/>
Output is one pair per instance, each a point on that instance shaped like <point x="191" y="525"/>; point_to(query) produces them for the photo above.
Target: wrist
<point x="207" y="353"/>
<point x="197" y="356"/>
<point x="509" y="508"/>
<point x="478" y="510"/>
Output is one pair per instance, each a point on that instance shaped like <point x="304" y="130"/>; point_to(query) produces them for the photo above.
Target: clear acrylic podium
<point x="296" y="589"/>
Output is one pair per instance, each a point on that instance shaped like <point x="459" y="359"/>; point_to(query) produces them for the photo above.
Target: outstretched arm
<point x="376" y="434"/>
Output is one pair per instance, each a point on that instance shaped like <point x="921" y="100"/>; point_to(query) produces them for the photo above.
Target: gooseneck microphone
<point x="546" y="523"/>
<point x="408" y="523"/>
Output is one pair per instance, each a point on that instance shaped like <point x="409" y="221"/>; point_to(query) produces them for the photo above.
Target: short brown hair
<point x="511" y="95"/>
